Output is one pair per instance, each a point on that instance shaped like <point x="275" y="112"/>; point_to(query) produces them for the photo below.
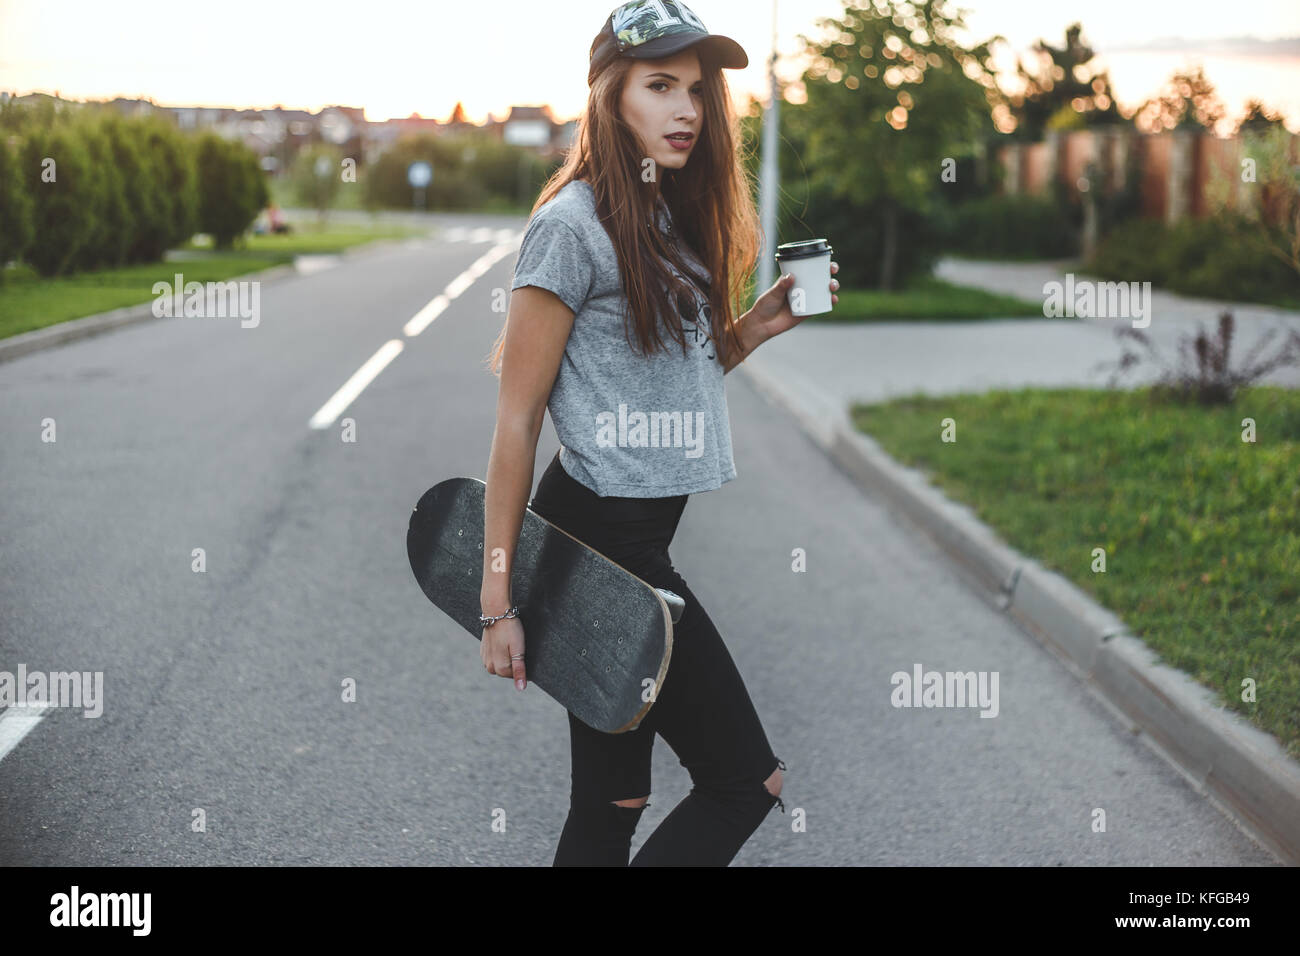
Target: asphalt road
<point x="223" y="689"/>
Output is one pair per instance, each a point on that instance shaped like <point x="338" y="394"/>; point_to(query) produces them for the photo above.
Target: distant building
<point x="133" y="107"/>
<point x="199" y="117"/>
<point x="528" y="126"/>
<point x="534" y="127"/>
<point x="277" y="134"/>
<point x="379" y="136"/>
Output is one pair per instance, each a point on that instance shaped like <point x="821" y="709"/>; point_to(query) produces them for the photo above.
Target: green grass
<point x="1023" y="256"/>
<point x="28" y="301"/>
<point x="283" y="195"/>
<point x="351" y="197"/>
<point x="1279" y="300"/>
<point x="1201" y="530"/>
<point x="926" y="298"/>
<point x="311" y="239"/>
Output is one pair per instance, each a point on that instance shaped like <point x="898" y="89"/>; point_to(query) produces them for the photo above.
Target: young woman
<point x="638" y="235"/>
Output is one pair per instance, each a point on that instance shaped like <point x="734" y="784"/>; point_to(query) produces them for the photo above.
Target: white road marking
<point x="480" y="234"/>
<point x="417" y="322"/>
<point x="17" y="722"/>
<point x="309" y="264"/>
<point x="354" y="386"/>
<point x="345" y="396"/>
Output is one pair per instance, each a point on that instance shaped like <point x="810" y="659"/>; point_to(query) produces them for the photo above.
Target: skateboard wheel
<point x="676" y="603"/>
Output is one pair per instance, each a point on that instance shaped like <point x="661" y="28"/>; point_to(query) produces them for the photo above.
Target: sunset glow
<point x="394" y="59"/>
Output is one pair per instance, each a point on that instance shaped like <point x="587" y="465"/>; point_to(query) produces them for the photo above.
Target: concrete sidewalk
<point x="817" y="371"/>
<point x="877" y="361"/>
<point x="1026" y="280"/>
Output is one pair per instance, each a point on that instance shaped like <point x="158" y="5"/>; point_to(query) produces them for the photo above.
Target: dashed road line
<point x="17" y="722"/>
<point x="338" y="403"/>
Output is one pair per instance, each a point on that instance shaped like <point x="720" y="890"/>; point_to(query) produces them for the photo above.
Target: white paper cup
<point x="809" y="261"/>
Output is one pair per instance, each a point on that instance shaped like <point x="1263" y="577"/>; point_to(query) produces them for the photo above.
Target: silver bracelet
<point x="489" y="621"/>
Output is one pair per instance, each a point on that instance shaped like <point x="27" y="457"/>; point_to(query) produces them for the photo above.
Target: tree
<point x="470" y="171"/>
<point x="1263" y="210"/>
<point x="1187" y="101"/>
<point x="317" y="176"/>
<point x="891" y="96"/>
<point x="1258" y="119"/>
<point x="1064" y="78"/>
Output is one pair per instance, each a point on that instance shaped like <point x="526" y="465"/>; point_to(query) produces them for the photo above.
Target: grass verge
<point x="1201" y="530"/>
<point x="927" y="298"/>
<point x="28" y="301"/>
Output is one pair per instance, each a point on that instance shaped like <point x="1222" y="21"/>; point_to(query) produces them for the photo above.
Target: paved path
<point x="877" y="361"/>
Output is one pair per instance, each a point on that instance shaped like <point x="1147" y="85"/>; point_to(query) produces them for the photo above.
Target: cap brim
<point x="725" y="51"/>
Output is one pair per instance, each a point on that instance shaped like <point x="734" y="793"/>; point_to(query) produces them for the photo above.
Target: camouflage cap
<point x="652" y="29"/>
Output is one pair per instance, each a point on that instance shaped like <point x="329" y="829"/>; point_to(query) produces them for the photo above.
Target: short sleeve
<point x="553" y="257"/>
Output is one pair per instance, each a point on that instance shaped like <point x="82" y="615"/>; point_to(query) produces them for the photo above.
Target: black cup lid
<point x="803" y="249"/>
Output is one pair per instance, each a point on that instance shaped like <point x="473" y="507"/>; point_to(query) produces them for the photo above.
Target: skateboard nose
<point x="676" y="603"/>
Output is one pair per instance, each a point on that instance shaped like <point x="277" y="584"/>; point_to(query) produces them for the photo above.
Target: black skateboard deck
<point x="597" y="638"/>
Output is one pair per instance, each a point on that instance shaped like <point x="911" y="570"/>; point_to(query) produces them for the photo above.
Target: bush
<point x="308" y="186"/>
<point x="114" y="221"/>
<point x="141" y="188"/>
<point x="1195" y="257"/>
<point x="15" y="208"/>
<point x="66" y="208"/>
<point x="232" y="189"/>
<point x="469" y="172"/>
<point x="508" y="173"/>
<point x="1203" y="371"/>
<point x="82" y="187"/>
<point x="175" y="186"/>
<point x="1012" y="227"/>
<point x="857" y="235"/>
<point x="453" y="186"/>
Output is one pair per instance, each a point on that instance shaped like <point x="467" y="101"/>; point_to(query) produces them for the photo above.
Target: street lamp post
<point x="769" y="179"/>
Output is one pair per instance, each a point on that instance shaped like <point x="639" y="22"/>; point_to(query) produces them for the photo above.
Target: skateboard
<point x="597" y="638"/>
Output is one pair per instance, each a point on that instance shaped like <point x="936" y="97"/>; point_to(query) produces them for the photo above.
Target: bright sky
<point x="394" y="57"/>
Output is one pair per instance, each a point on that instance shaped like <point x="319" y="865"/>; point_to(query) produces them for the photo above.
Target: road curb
<point x="1243" y="769"/>
<point x="24" y="343"/>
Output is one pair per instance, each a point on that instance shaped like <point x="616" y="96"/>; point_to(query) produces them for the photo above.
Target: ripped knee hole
<point x="780" y="780"/>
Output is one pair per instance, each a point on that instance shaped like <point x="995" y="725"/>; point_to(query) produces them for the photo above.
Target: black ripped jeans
<point x="703" y="710"/>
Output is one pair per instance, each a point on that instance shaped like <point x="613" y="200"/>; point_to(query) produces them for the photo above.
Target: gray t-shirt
<point x="629" y="425"/>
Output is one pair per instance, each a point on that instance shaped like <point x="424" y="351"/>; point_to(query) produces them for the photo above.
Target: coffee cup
<point x="809" y="261"/>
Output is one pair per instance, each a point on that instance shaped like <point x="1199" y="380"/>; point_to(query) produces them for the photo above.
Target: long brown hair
<point x="710" y="200"/>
